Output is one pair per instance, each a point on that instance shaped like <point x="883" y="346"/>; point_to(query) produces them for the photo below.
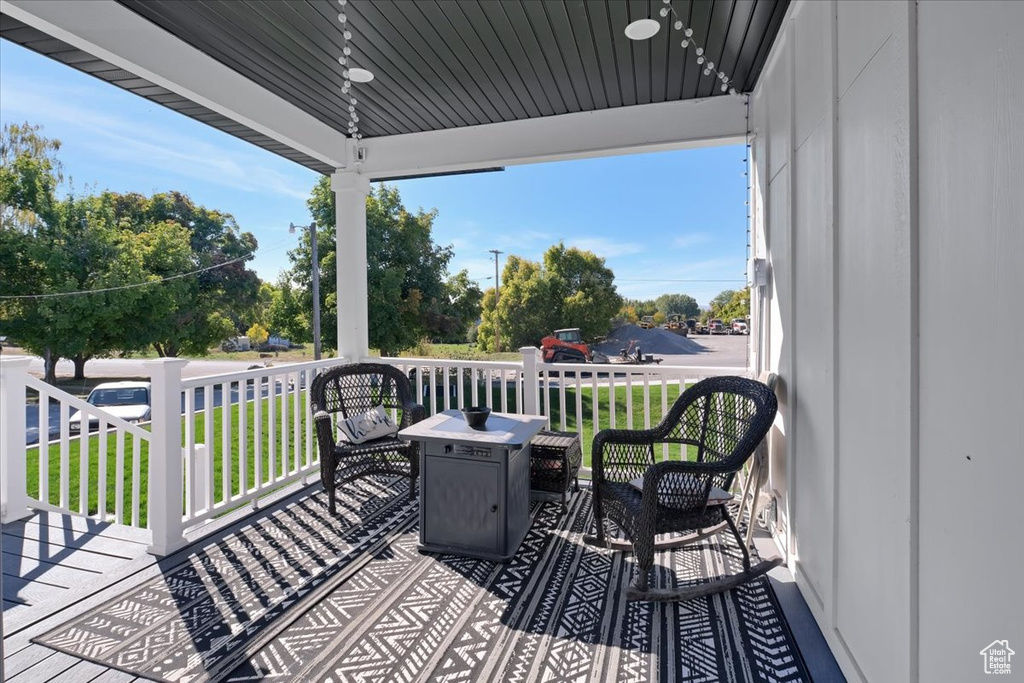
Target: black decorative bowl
<point x="476" y="416"/>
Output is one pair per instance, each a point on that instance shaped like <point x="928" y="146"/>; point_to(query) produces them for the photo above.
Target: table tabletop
<point x="501" y="429"/>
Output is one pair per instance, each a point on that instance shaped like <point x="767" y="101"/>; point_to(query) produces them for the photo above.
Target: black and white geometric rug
<point x="298" y="596"/>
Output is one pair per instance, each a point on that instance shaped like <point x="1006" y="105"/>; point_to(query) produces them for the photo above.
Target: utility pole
<point x="497" y="292"/>
<point x="316" y="285"/>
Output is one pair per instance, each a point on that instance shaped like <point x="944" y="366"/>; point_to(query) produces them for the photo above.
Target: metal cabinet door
<point x="460" y="504"/>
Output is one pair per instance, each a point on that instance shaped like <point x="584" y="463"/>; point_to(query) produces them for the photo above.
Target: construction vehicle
<point x="678" y="325"/>
<point x="565" y="346"/>
<point x="647" y="322"/>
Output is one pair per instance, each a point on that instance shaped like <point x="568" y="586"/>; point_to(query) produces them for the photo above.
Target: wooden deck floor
<point x="52" y="562"/>
<point x="57" y="567"/>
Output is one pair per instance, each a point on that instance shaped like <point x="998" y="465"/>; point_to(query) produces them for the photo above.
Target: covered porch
<point x="873" y="145"/>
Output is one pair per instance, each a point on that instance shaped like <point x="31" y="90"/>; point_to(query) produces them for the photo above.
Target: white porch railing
<point x="579" y="397"/>
<point x="217" y="443"/>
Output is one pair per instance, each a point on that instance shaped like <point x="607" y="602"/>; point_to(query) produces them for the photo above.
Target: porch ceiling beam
<point x="622" y="130"/>
<point x="117" y="35"/>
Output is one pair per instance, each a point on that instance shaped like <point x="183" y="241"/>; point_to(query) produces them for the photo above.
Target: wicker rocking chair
<point x="350" y="390"/>
<point x="724" y="418"/>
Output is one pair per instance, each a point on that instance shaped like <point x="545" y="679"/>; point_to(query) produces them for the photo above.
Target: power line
<point x="136" y="285"/>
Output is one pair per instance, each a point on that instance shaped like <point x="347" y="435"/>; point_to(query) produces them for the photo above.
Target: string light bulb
<point x="634" y="32"/>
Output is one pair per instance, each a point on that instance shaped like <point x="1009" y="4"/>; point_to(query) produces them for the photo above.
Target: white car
<point x="129" y="401"/>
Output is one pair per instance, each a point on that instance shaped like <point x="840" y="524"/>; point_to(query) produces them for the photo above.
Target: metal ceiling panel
<point x="447" y="63"/>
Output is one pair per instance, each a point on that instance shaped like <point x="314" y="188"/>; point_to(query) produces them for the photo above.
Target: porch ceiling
<point x="443" y="64"/>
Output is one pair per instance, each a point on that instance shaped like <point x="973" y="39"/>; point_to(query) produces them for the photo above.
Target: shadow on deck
<point x="289" y="592"/>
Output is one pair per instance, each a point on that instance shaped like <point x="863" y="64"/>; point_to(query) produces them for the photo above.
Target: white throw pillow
<point x="373" y="424"/>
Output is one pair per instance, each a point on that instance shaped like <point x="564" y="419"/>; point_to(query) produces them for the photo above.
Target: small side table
<point x="474" y="483"/>
<point x="554" y="463"/>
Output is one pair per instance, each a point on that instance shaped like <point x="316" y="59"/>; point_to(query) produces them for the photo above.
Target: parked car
<point x="129" y="401"/>
<point x="716" y="326"/>
<point x="739" y="326"/>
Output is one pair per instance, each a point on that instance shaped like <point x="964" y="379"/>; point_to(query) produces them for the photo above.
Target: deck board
<point x="25" y="658"/>
<point x="29" y="591"/>
<point x="46" y="669"/>
<point x="51" y="573"/>
<point x="70" y="539"/>
<point x="44" y="551"/>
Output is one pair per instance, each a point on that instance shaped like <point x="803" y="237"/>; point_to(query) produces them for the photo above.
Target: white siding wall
<point x="971" y="90"/>
<point x="883" y="257"/>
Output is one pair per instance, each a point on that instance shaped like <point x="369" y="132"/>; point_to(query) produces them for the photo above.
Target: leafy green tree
<point x="720" y="301"/>
<point x="640" y="307"/>
<point x="738" y="306"/>
<point x="583" y="288"/>
<point x="457" y="309"/>
<point x="683" y="304"/>
<point x="29" y="175"/>
<point x="572" y="289"/>
<point x="525" y="311"/>
<point x="286" y="316"/>
<point x="407" y="296"/>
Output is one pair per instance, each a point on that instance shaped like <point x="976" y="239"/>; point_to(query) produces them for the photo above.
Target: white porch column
<point x="166" y="469"/>
<point x="350" y="191"/>
<point x="14" y="503"/>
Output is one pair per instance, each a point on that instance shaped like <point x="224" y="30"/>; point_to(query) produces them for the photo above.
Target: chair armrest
<point x="412" y="413"/>
<point x="631" y="443"/>
<point x="324" y="424"/>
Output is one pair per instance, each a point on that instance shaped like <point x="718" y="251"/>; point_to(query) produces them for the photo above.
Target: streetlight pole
<point x="316" y="285"/>
<point x="497" y="292"/>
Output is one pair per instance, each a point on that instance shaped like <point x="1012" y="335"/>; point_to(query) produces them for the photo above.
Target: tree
<point x="572" y="289"/>
<point x="407" y="296"/>
<point x="720" y="301"/>
<point x="457" y="309"/>
<point x="525" y="311"/>
<point x="639" y="307"/>
<point x="681" y="304"/>
<point x="738" y="306"/>
<point x="584" y="289"/>
<point x="106" y="269"/>
<point x="285" y="316"/>
<point x="257" y="334"/>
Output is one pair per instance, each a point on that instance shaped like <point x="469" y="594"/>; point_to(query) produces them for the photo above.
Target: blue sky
<point x="660" y="220"/>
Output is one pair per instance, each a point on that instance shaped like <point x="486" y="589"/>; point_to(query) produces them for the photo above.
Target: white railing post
<point x="165" y="456"/>
<point x="531" y="383"/>
<point x="14" y="502"/>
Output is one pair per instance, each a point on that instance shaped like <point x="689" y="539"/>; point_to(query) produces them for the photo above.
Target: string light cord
<point x="55" y="295"/>
<point x="709" y="67"/>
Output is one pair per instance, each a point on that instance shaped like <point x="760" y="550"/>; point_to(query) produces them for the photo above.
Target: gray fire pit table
<point x="474" y="483"/>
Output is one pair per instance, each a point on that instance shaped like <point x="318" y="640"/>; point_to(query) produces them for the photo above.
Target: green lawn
<point x="228" y="454"/>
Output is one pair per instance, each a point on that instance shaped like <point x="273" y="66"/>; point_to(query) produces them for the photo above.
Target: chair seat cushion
<point x="675" y="489"/>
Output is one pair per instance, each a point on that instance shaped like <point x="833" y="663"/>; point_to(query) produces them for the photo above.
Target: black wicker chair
<point x="348" y="390"/>
<point x="724" y="418"/>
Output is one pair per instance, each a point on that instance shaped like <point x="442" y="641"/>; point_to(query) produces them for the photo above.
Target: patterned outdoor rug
<point x="296" y="597"/>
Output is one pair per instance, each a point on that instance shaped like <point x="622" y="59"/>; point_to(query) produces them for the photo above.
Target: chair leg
<point x="331" y="492"/>
<point x="739" y="539"/>
<point x="598" y="538"/>
<point x="762" y="475"/>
